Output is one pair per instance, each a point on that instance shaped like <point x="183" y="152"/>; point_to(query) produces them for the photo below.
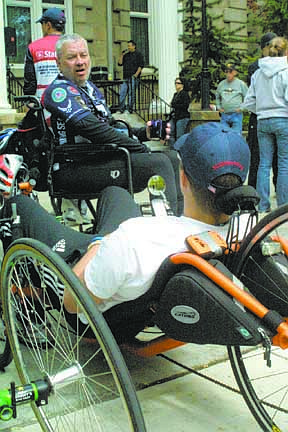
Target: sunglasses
<point x="229" y="70"/>
<point x="178" y="82"/>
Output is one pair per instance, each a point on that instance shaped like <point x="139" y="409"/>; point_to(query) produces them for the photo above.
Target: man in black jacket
<point x="133" y="63"/>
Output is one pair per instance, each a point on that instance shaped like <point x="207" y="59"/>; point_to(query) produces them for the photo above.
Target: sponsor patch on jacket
<point x="81" y="102"/>
<point x="59" y="94"/>
<point x="73" y="90"/>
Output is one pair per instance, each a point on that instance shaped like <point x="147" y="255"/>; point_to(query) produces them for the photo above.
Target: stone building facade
<point x="106" y="24"/>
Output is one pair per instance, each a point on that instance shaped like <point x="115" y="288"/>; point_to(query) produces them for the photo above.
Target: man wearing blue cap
<point x="122" y="260"/>
<point x="40" y="66"/>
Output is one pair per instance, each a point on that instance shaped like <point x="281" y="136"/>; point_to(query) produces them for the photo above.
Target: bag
<point x="192" y="308"/>
<point x="274" y="295"/>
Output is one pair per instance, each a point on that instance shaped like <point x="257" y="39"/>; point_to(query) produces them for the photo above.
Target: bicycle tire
<point x="265" y="389"/>
<point x="44" y="344"/>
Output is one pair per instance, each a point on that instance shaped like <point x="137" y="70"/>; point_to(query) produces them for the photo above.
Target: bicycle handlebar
<point x="29" y="99"/>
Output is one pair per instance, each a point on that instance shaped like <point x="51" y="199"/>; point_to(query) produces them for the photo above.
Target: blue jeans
<point x="272" y="132"/>
<point x="128" y="87"/>
<point x="178" y="131"/>
<point x="232" y="120"/>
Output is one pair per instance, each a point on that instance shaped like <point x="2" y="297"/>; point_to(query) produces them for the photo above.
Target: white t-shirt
<point x="127" y="261"/>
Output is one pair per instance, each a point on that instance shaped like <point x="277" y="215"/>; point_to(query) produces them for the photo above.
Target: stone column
<point x="5" y="107"/>
<point x="164" y="44"/>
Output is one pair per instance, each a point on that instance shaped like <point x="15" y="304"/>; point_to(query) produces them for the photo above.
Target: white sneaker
<point x="84" y="213"/>
<point x="71" y="213"/>
<point x="149" y="334"/>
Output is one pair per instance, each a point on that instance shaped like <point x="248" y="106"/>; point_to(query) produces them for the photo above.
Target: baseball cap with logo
<point x="211" y="150"/>
<point x="231" y="66"/>
<point x="54" y="15"/>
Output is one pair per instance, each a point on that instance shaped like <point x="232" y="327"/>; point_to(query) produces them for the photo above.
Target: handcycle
<point x="259" y="260"/>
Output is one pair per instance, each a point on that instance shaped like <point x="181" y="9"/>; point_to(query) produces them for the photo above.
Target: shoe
<point x="84" y="213"/>
<point x="149" y="334"/>
<point x="86" y="220"/>
<point x="71" y="213"/>
<point x="265" y="211"/>
<point x="262" y="214"/>
<point x="130" y="111"/>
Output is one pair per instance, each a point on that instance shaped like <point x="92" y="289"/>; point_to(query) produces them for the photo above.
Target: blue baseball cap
<point x="211" y="150"/>
<point x="54" y="15"/>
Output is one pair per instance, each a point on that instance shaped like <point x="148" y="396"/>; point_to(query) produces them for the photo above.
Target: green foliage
<point x="272" y="15"/>
<point x="219" y="47"/>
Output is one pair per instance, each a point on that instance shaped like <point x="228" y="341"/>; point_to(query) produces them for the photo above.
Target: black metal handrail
<point x="14" y="88"/>
<point x="148" y="104"/>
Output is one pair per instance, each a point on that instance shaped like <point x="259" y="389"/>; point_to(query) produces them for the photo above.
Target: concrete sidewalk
<point x="179" y="403"/>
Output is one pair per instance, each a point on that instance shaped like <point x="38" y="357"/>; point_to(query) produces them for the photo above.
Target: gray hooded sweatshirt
<point x="267" y="95"/>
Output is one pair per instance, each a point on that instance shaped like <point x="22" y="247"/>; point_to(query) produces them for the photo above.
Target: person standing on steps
<point x="180" y="115"/>
<point x="133" y="63"/>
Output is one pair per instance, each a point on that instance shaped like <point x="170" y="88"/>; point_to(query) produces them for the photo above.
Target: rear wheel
<point x="262" y="266"/>
<point x="91" y="389"/>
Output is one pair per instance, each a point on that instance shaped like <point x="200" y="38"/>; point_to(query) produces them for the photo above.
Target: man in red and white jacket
<point x="40" y="66"/>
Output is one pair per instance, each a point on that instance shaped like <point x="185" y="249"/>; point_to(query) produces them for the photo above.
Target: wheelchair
<point x="195" y="298"/>
<point x="34" y="141"/>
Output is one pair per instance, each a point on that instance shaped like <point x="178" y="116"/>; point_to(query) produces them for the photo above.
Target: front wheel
<point x="262" y="265"/>
<point x="90" y="386"/>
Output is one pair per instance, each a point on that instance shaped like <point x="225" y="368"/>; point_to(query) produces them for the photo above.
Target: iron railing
<point x="14" y="88"/>
<point x="148" y="104"/>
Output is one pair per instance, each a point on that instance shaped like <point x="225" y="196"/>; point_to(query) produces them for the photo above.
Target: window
<point x="139" y="5"/>
<point x="20" y="19"/>
<point x="139" y="26"/>
<point x="22" y="15"/>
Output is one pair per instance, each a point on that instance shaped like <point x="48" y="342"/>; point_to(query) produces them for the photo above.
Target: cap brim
<point x="178" y="144"/>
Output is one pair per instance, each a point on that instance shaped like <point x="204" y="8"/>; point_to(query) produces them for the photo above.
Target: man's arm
<point x="120" y="61"/>
<point x="79" y="269"/>
<point x="137" y="73"/>
<point x="30" y="81"/>
<point x="218" y="99"/>
<point x="102" y="133"/>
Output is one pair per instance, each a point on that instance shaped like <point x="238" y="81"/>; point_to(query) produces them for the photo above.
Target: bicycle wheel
<point x="91" y="389"/>
<point x="262" y="266"/>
